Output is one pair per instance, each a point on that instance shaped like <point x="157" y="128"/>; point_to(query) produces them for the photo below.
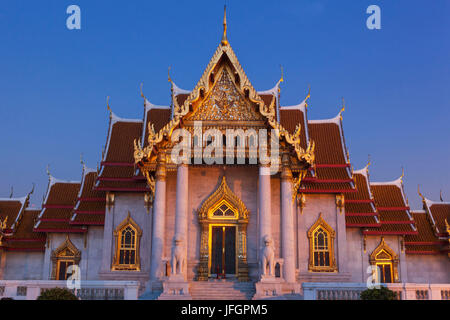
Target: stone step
<point x="221" y="290"/>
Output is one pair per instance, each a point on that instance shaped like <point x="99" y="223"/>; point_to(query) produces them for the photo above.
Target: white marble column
<point x="2" y="263"/>
<point x="181" y="211"/>
<point x="287" y="222"/>
<point x="108" y="238"/>
<point x="265" y="210"/>
<point x="159" y="216"/>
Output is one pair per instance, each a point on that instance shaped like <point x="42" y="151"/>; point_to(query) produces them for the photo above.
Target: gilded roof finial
<point x="403" y="174"/>
<point x="142" y="93"/>
<point x="282" y="74"/>
<point x="224" y="38"/>
<point x="418" y="191"/>
<point x="343" y="108"/>
<point x="108" y="107"/>
<point x="369" y="161"/>
<point x="168" y="75"/>
<point x="308" y="96"/>
<point x="48" y="171"/>
<point x="32" y="189"/>
<point x="82" y="161"/>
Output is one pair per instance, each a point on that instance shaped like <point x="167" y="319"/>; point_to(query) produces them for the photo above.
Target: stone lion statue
<point x="268" y="257"/>
<point x="178" y="258"/>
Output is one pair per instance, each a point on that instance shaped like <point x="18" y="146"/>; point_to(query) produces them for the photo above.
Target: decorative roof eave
<point x="365" y="172"/>
<point x="203" y="85"/>
<point x="84" y="174"/>
<point x="223" y="192"/>
<point x="427" y="205"/>
<point x="337" y="120"/>
<point x="113" y="119"/>
<point x="25" y="202"/>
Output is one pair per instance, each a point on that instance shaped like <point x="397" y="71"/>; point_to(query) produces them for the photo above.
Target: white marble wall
<point x="356" y="255"/>
<point x="202" y="183"/>
<point x="428" y="268"/>
<point x="135" y="205"/>
<point x="23" y="265"/>
<point x="99" y="251"/>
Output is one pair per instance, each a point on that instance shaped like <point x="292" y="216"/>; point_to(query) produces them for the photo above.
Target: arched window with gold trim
<point x="62" y="258"/>
<point x="127" y="236"/>
<point x="386" y="262"/>
<point x="321" y="247"/>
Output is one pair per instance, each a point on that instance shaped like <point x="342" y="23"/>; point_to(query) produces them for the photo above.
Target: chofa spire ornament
<point x="224" y="37"/>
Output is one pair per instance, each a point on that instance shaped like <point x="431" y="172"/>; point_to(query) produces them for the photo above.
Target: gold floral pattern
<point x="225" y="103"/>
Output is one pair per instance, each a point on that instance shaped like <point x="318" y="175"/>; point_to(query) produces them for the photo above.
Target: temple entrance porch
<point x="223" y="263"/>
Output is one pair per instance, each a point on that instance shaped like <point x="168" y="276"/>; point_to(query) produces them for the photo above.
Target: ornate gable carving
<point x="225" y="102"/>
<point x="66" y="249"/>
<point x="223" y="193"/>
<point x="383" y="252"/>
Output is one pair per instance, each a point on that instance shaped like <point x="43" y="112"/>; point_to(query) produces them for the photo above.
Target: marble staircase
<point x="221" y="290"/>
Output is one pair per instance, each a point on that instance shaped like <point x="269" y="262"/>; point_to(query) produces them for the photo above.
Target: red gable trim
<point x="315" y="180"/>
<point x="117" y="164"/>
<point x="88" y="223"/>
<point x="116" y="179"/>
<point x="123" y="189"/>
<point x="380" y="233"/>
<point x="420" y="243"/>
<point x="61" y="230"/>
<point x="54" y="220"/>
<point x="92" y="199"/>
<point x="421" y="252"/>
<point x="339" y="165"/>
<point x="397" y="222"/>
<point x="359" y="201"/>
<point x="90" y="212"/>
<point x="362" y="225"/>
<point x="392" y="208"/>
<point x="57" y="206"/>
<point x="26" y="249"/>
<point x="24" y="240"/>
<point x="362" y="214"/>
<point x="327" y="191"/>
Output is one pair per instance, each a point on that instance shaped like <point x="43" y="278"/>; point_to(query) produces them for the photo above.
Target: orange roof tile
<point x="90" y="207"/>
<point x="24" y="239"/>
<point x="359" y="205"/>
<point x="392" y="209"/>
<point x="58" y="207"/>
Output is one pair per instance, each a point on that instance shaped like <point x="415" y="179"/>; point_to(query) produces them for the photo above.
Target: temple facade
<point x="224" y="186"/>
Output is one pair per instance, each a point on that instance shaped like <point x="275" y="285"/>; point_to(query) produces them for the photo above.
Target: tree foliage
<point x="57" y="294"/>
<point x="378" y="294"/>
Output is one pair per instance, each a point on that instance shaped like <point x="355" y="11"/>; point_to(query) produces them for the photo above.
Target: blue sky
<point x="54" y="81"/>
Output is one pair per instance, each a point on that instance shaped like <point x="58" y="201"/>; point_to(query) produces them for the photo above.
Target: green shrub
<point x="57" y="294"/>
<point x="378" y="294"/>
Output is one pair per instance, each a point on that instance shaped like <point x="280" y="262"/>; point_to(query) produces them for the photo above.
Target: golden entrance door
<point x="223" y="250"/>
<point x="223" y="219"/>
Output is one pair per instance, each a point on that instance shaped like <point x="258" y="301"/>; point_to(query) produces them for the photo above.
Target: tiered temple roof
<point x="376" y="208"/>
<point x="10" y="211"/>
<point x="90" y="206"/>
<point x="393" y="209"/>
<point x="360" y="210"/>
<point x="16" y="226"/>
<point x="23" y="237"/>
<point x="117" y="171"/>
<point x="332" y="170"/>
<point x="58" y="206"/>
